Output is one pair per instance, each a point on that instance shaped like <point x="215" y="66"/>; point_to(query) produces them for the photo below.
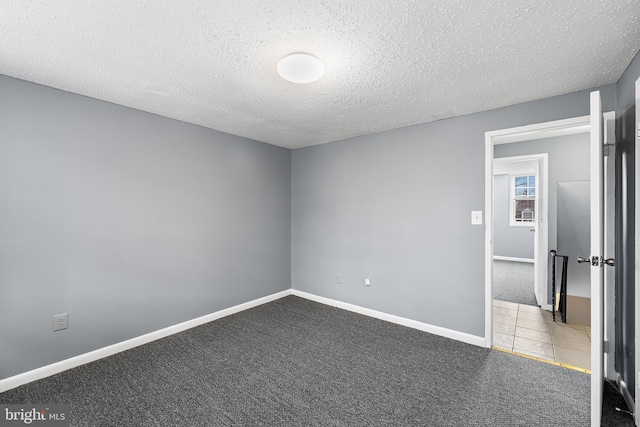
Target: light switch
<point x="476" y="217"/>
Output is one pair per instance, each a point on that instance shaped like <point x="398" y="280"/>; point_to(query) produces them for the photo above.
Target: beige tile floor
<point x="531" y="330"/>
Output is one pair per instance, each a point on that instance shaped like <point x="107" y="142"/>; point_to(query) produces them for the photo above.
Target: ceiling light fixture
<point x="300" y="68"/>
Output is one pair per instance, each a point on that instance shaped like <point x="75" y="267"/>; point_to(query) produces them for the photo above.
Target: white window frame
<point x="512" y="201"/>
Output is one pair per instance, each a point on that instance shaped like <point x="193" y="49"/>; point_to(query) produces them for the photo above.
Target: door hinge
<point x="605" y="347"/>
<point x="606" y="149"/>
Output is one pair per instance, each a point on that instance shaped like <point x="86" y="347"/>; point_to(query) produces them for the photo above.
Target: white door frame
<point x="596" y="253"/>
<point x="537" y="164"/>
<point x="503" y="136"/>
<point x="637" y="246"/>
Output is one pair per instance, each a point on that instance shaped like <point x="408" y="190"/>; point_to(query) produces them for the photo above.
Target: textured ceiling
<point x="388" y="63"/>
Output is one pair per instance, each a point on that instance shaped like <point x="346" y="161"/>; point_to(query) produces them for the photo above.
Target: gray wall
<point x="395" y="207"/>
<point x="508" y="241"/>
<point x="574" y="233"/>
<point x="128" y="221"/>
<point x="568" y="161"/>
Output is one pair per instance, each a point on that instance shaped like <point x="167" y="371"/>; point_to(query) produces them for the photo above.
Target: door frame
<point x="636" y="414"/>
<point x="541" y="239"/>
<point x="596" y="253"/>
<point x="569" y="126"/>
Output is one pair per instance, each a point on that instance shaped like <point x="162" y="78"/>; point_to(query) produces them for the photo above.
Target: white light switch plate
<point x="476" y="217"/>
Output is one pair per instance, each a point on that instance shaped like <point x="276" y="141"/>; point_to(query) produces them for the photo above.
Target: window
<point x="523" y="200"/>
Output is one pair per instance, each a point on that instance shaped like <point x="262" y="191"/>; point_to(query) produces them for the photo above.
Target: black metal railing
<point x="562" y="303"/>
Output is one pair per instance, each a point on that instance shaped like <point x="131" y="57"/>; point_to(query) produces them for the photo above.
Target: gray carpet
<point x="293" y="362"/>
<point x="615" y="412"/>
<point x="513" y="281"/>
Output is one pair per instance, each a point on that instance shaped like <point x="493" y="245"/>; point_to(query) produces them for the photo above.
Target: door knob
<point x="597" y="261"/>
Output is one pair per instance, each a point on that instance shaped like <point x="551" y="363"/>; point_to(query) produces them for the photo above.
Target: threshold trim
<point x="550" y="362"/>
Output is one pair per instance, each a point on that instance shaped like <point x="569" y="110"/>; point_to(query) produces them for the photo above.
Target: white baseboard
<point x="73" y="362"/>
<point x="425" y="327"/>
<point x="82" y="359"/>
<point x="510" y="258"/>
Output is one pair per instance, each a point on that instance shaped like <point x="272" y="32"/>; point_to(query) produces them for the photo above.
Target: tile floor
<point x="531" y="330"/>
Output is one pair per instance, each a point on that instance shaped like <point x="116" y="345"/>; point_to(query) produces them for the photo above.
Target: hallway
<point x="530" y="330"/>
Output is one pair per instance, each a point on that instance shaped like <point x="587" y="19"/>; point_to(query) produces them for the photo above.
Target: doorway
<point x="502" y="142"/>
<point x="528" y="327"/>
<point x="519" y="239"/>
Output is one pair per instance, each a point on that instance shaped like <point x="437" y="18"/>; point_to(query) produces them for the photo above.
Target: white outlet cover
<point x="367" y="282"/>
<point x="60" y="322"/>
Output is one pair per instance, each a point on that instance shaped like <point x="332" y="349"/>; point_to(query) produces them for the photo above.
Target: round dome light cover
<point x="300" y="68"/>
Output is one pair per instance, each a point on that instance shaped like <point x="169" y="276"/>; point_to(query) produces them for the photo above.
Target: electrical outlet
<point x="60" y="322"/>
<point x="340" y="278"/>
<point x="367" y="282"/>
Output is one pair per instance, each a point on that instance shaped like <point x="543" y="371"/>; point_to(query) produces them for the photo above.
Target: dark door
<point x="625" y="253"/>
